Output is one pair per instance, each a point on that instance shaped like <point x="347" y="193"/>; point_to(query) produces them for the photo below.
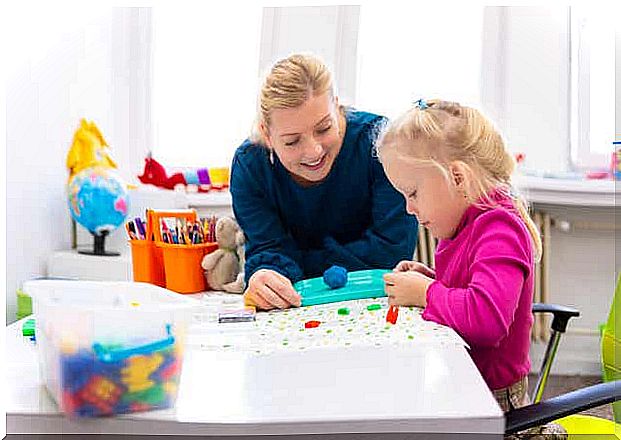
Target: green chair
<point x="611" y="345"/>
<point x="563" y="409"/>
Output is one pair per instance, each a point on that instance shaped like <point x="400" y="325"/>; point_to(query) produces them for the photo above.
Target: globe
<point x="99" y="201"/>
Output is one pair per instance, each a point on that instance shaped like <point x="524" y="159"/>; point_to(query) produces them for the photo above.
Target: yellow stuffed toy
<point x="89" y="149"/>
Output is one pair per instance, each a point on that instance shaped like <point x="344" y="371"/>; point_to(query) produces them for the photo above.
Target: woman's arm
<point x="268" y="245"/>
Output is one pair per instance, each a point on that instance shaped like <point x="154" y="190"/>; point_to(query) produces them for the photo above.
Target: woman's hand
<point x="267" y="289"/>
<point x="408" y="288"/>
<point x="414" y="266"/>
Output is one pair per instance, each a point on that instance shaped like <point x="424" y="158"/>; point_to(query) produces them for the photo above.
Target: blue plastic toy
<point x="360" y="284"/>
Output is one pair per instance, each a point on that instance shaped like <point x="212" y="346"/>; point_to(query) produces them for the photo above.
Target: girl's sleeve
<point x="482" y="312"/>
<point x="390" y="237"/>
<point x="268" y="245"/>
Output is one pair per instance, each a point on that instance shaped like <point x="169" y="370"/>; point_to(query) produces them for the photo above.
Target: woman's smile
<point x="315" y="165"/>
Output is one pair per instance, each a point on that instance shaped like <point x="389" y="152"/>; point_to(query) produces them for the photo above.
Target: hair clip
<point x="421" y="104"/>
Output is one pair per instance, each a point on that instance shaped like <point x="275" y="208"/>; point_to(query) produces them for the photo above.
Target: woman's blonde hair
<point x="289" y="83"/>
<point x="442" y="132"/>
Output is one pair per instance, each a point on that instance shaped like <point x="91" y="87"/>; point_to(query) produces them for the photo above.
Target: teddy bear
<point x="224" y="267"/>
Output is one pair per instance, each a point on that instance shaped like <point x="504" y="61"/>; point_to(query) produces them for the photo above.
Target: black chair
<point x="542" y="412"/>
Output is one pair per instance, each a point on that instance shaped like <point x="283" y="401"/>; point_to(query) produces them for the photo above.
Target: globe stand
<point x="99" y="247"/>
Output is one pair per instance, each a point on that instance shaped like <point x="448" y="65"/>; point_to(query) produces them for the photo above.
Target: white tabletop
<point x="389" y="389"/>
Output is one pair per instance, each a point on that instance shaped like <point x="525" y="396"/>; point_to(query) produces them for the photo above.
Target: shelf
<point x="549" y="191"/>
<point x="212" y="198"/>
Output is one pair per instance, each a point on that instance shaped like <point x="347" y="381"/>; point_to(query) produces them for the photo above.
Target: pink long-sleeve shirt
<point x="484" y="289"/>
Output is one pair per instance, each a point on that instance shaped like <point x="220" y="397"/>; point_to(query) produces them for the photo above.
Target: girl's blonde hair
<point x="442" y="132"/>
<point x="289" y="83"/>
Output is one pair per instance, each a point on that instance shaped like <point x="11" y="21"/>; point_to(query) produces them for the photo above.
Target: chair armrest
<point x="562" y="314"/>
<point x="560" y="406"/>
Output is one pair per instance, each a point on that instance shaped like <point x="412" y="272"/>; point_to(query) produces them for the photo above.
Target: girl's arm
<point x="483" y="312"/>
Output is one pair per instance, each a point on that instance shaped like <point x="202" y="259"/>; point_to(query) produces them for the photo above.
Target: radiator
<point x="426" y="247"/>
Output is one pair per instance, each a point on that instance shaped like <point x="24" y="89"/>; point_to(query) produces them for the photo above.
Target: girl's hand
<point x="267" y="289"/>
<point x="407" y="288"/>
<point x="414" y="266"/>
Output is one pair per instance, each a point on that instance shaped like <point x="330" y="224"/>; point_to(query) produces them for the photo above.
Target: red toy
<point x="155" y="174"/>
<point x="392" y="315"/>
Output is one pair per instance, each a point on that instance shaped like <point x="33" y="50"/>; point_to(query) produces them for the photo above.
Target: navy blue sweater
<point x="354" y="218"/>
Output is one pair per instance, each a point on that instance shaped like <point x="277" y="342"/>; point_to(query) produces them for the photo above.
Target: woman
<point x="308" y="190"/>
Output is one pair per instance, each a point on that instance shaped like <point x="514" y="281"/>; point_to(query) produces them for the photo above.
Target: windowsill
<point x="553" y="191"/>
<point x="538" y="190"/>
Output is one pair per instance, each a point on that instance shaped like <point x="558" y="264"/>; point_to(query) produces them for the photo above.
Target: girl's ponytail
<point x="522" y="209"/>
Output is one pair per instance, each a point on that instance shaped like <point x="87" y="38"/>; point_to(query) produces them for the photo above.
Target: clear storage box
<point x="109" y="348"/>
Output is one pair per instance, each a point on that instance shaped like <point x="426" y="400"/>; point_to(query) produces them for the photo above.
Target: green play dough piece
<point x="343" y="311"/>
<point x="374" y="307"/>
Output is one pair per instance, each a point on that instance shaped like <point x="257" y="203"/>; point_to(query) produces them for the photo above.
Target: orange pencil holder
<point x="147" y="262"/>
<point x="176" y="267"/>
<point x="182" y="264"/>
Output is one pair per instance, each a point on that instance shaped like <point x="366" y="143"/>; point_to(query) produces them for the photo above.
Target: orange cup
<point x="182" y="265"/>
<point x="147" y="262"/>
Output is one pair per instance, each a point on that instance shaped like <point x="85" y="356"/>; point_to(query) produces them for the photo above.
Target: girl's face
<point x="307" y="138"/>
<point x="437" y="201"/>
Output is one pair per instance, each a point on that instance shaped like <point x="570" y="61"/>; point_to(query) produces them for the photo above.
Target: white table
<point x="355" y="393"/>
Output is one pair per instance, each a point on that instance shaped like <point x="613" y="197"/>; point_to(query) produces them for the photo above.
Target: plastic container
<point x="182" y="265"/>
<point x="147" y="262"/>
<point x="109" y="348"/>
<point x="24" y="304"/>
<point x="176" y="267"/>
<point x="219" y="177"/>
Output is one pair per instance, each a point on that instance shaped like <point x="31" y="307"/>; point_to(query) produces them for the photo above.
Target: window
<point x="416" y="51"/>
<point x="592" y="86"/>
<point x="205" y="78"/>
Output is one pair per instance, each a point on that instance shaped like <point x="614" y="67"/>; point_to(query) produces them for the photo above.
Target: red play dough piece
<point x="393" y="313"/>
<point x="311" y="324"/>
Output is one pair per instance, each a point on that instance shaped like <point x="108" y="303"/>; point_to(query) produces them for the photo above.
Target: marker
<point x="130" y="233"/>
<point x="132" y="230"/>
<point x="141" y="230"/>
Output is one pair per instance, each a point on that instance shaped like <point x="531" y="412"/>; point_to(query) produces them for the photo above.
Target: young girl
<point x="451" y="166"/>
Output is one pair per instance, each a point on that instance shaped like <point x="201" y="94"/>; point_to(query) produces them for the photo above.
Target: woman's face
<point x="307" y="138"/>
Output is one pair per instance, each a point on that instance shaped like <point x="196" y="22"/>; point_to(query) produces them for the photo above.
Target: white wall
<point x="525" y="81"/>
<point x="618" y="83"/>
<point x="61" y="68"/>
<point x="331" y="32"/>
<point x="582" y="275"/>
